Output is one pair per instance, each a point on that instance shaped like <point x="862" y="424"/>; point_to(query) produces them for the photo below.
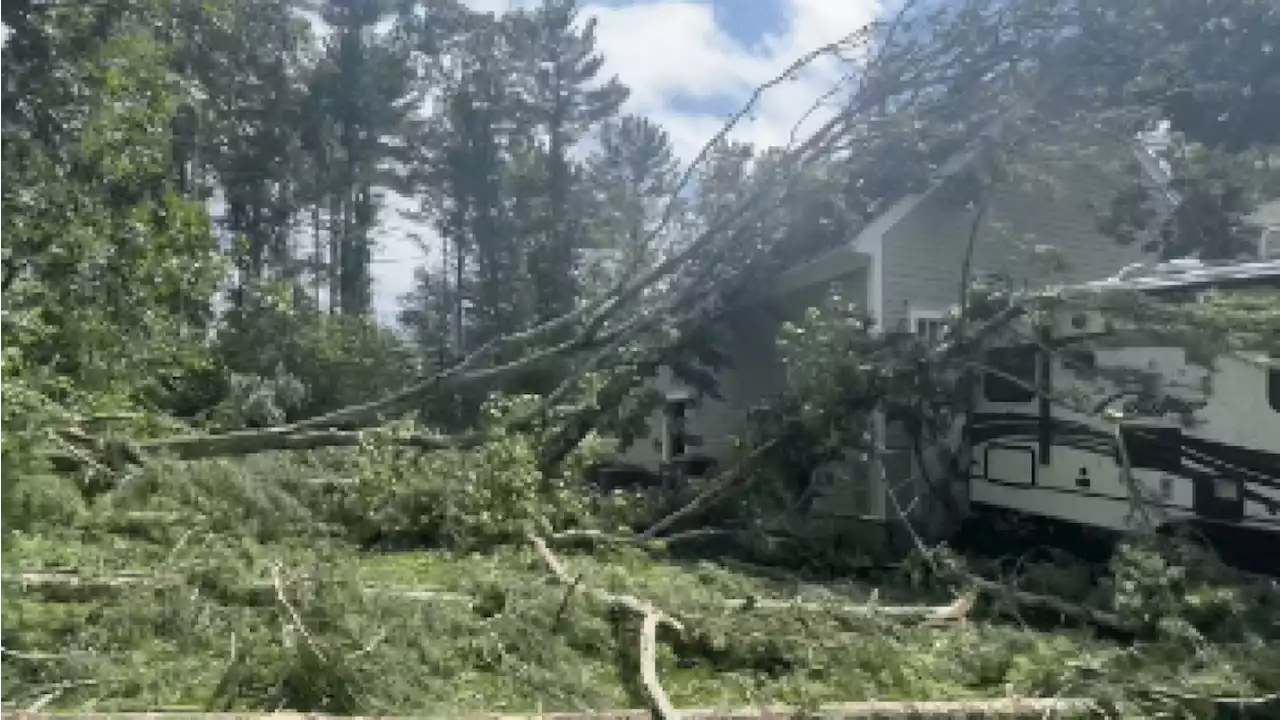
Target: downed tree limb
<point x="650" y="619"/>
<point x="116" y="454"/>
<point x="603" y="538"/>
<point x="1021" y="597"/>
<point x="62" y="584"/>
<point x="720" y="483"/>
<point x="197" y="447"/>
<point x="1065" y="608"/>
<point x="73" y="586"/>
<point x="957" y="611"/>
<point x="983" y="708"/>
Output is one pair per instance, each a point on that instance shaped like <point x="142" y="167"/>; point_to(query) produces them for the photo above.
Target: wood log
<point x="61" y="585"/>
<point x="248" y="442"/>
<point x="650" y="618"/>
<point x="984" y="708"/>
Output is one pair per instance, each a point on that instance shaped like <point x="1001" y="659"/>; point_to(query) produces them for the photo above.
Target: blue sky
<point x="689" y="64"/>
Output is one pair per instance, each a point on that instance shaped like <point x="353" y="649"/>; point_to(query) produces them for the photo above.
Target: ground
<point x="211" y="591"/>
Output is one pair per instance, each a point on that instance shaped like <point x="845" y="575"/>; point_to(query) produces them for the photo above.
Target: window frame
<point x="1273" y="387"/>
<point x="936" y="318"/>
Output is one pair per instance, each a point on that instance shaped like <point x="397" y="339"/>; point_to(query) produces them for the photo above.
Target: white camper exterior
<point x="1212" y="456"/>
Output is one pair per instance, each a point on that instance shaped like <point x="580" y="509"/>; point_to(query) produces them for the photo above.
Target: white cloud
<point x="672" y="51"/>
<point x="673" y="54"/>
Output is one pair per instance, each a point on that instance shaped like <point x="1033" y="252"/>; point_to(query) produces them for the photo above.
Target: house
<point x="907" y="267"/>
<point x="1266" y="217"/>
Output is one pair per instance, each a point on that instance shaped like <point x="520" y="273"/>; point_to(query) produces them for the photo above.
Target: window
<point x="1227" y="489"/>
<point x="1017" y="362"/>
<point x="1273" y="388"/>
<point x="1079" y="359"/>
<point x="928" y="325"/>
<point x="1269" y="244"/>
<point x="675" y="428"/>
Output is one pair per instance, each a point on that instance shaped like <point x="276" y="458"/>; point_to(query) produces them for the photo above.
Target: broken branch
<point x="650" y="616"/>
<point x="718" y="484"/>
<point x="196" y="447"/>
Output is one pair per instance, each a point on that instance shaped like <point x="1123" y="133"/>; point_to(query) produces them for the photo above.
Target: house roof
<point x="842" y="258"/>
<point x="834" y="262"/>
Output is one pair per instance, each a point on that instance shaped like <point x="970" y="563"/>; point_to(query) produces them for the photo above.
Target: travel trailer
<point x="1059" y="428"/>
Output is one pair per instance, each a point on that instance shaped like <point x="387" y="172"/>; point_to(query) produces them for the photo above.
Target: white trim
<point x="1180" y="273"/>
<point x="926" y="314"/>
<point x="875" y="285"/>
<point x="914" y="317"/>
<point x="1269" y="243"/>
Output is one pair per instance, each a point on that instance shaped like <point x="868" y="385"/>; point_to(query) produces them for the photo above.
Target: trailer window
<point x="1273" y="388"/>
<point x="1079" y="359"/>
<point x="1017" y="363"/>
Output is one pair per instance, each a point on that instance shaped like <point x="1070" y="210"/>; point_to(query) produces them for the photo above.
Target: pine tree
<point x="360" y="88"/>
<point x="569" y="100"/>
<point x="629" y="181"/>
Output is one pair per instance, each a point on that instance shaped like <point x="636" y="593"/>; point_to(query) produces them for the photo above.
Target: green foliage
<point x="247" y="618"/>
<point x="293" y="362"/>
<point x="466" y="498"/>
<point x="1208" y="220"/>
<point x="122" y="118"/>
<point x="822" y="425"/>
<point x="108" y="271"/>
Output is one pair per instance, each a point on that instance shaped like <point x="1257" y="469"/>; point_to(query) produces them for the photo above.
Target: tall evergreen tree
<point x="568" y="100"/>
<point x="629" y="180"/>
<point x="360" y="88"/>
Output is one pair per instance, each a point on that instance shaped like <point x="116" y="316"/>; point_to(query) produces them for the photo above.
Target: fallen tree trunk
<point x="983" y="708"/>
<point x="72" y="586"/>
<point x="197" y="447"/>
<point x="710" y="494"/>
<point x="1065" y="608"/>
<point x="650" y="619"/>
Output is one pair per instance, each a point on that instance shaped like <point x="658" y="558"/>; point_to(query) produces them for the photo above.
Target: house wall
<point x="748" y="338"/>
<point x="924" y="253"/>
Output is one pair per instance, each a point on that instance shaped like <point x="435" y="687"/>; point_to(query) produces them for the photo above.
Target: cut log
<point x="197" y="447"/>
<point x="650" y="618"/>
<point x="70" y="586"/>
<point x="993" y="708"/>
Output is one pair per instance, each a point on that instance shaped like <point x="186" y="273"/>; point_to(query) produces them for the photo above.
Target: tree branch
<point x="650" y="616"/>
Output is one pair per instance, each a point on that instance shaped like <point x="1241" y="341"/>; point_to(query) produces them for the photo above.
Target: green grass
<point x="218" y="635"/>
<point x="513" y="649"/>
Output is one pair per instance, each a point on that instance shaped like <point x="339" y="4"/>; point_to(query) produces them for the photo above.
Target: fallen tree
<point x="983" y="708"/>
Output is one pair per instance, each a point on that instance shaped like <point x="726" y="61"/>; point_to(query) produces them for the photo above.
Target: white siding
<point x="750" y="342"/>
<point x="924" y="253"/>
<point x="748" y="338"/>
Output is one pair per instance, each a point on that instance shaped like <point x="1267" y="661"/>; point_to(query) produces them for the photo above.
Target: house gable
<point x="1034" y="232"/>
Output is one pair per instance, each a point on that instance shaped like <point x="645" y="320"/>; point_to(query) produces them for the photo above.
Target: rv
<point x="1090" y="420"/>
